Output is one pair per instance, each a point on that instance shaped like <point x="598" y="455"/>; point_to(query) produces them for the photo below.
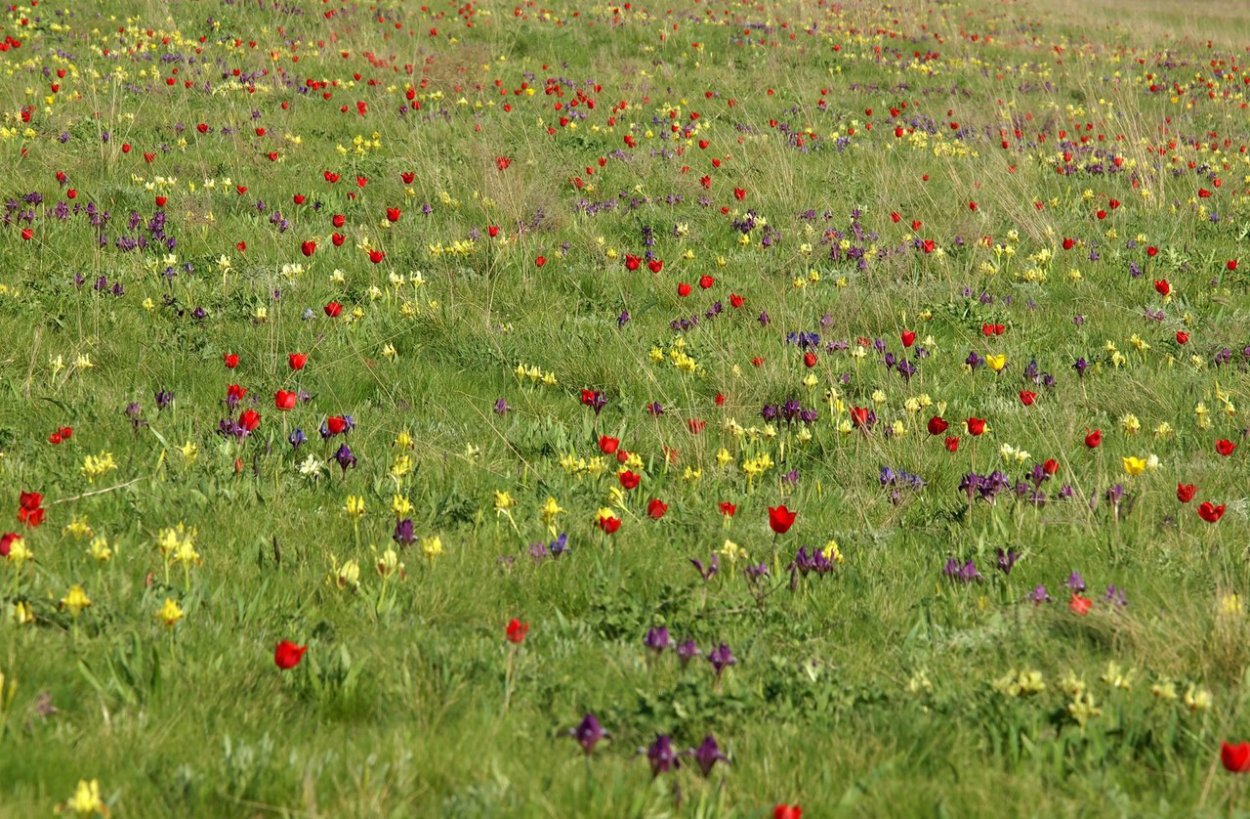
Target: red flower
<point x="31" y="517"/>
<point x="286" y="655"/>
<point x="338" y="220"/>
<point x="683" y="289"/>
<point x="30" y="501"/>
<point x="492" y="231"/>
<point x="1051" y="466"/>
<point x="608" y="445"/>
<point x="231" y="360"/>
<point x="333" y="309"/>
<point x="1093" y="439"/>
<point x="1027" y="397"/>
<point x="285" y="400"/>
<point x="787" y="812"/>
<point x="249" y="419"/>
<point x="1210" y="512"/>
<point x="1225" y="447"/>
<point x="1231" y="264"/>
<point x="706" y="281"/>
<point x="728" y="509"/>
<point x="377" y="256"/>
<point x="297" y="360"/>
<point x="308" y="248"/>
<point x="336" y="424"/>
<point x="859" y="417"/>
<point x="540" y="261"/>
<point x="952" y="443"/>
<point x="908" y="337"/>
<point x="1185" y="492"/>
<point x="6" y="542"/>
<point x="1079" y="604"/>
<point x="976" y="426"/>
<point x="1162" y="287"/>
<point x="236" y="392"/>
<point x="608" y="523"/>
<point x="1182" y="337"/>
<point x="517" y="630"/>
<point x="780" y="519"/>
<point x="735" y="300"/>
<point x="656" y="509"/>
<point x="629" y="480"/>
<point x="937" y="425"/>
<point x="392" y="214"/>
<point x="632" y="262"/>
<point x="1236" y="758"/>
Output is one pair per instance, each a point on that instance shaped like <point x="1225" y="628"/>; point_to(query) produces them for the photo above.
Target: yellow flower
<point x="832" y="552"/>
<point x="346" y="576"/>
<point x="1164" y="690"/>
<point x="503" y="502"/>
<point x="550" y="512"/>
<point x="1116" y="678"/>
<point x="1231" y="604"/>
<point x="1133" y="465"/>
<point x="1130" y="424"/>
<point x="79" y="528"/>
<point x="22" y="613"/>
<point x="19" y="552"/>
<point x="401" y="506"/>
<point x="190" y="451"/>
<point x="95" y="466"/>
<point x="1082" y="708"/>
<point x="355" y="507"/>
<point x="1197" y="699"/>
<point x="996" y="361"/>
<point x="75" y="600"/>
<point x="402" y="467"/>
<point x="432" y="546"/>
<point x="86" y="800"/>
<point x="732" y="551"/>
<point x="170" y="613"/>
<point x="388" y="564"/>
<point x="100" y="550"/>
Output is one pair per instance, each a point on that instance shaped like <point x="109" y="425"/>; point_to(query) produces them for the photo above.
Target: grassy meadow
<point x="713" y="409"/>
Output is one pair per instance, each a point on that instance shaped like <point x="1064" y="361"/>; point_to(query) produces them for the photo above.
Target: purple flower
<point x="1116" y="596"/>
<point x="588" y="733"/>
<point x="707" y="755"/>
<point x="1039" y="595"/>
<point x="345" y="457"/>
<point x="657" y="639"/>
<point x="403" y="533"/>
<point x="712" y="567"/>
<point x="1075" y="582"/>
<point x="687" y="651"/>
<point x="1006" y="560"/>
<point x="501" y="406"/>
<point x="721" y="658"/>
<point x="296" y="438"/>
<point x="662" y="756"/>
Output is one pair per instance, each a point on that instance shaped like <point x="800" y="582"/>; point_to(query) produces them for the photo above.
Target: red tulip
<point x="249" y="419"/>
<point x="952" y="444"/>
<point x="1210" y="512"/>
<point x="1093" y="439"/>
<point x="1027" y="397"/>
<point x="338" y="220"/>
<point x="736" y="301"/>
<point x="392" y="214"/>
<point x="629" y="480"/>
<point x="1225" y="447"/>
<point x="706" y="281"/>
<point x="1079" y="604"/>
<point x="540" y="261"/>
<point x="30" y="501"/>
<point x="338" y="239"/>
<point x="728" y="509"/>
<point x="297" y="360"/>
<point x="516" y="631"/>
<point x="1185" y="492"/>
<point x="308" y="248"/>
<point x="377" y="256"/>
<point x="908" y="337"/>
<point x="787" y="812"/>
<point x="336" y="424"/>
<point x="608" y="445"/>
<point x="780" y="519"/>
<point x="1162" y="287"/>
<point x="298" y="198"/>
<point x="1236" y="758"/>
<point x="286" y="655"/>
<point x="1182" y="337"/>
<point x="608" y="523"/>
<point x="1051" y="466"/>
<point x="285" y="400"/>
<point x="809" y="359"/>
<point x="655" y="265"/>
<point x="937" y="425"/>
<point x="976" y="426"/>
<point x="632" y="262"/>
<point x="1231" y="264"/>
<point x="683" y="289"/>
<point x="333" y="309"/>
<point x="656" y="508"/>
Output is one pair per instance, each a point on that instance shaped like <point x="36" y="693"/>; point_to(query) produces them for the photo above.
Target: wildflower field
<point x="710" y="409"/>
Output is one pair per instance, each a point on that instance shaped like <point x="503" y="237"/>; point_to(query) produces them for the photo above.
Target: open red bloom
<point x="1051" y="466"/>
<point x="780" y="519"/>
<point x="937" y="425"/>
<point x="249" y="419"/>
<point x="629" y="480"/>
<point x="231" y="359"/>
<point x="1236" y="758"/>
<point x="1093" y="439"/>
<point x="728" y="509"/>
<point x="285" y="399"/>
<point x="608" y="444"/>
<point x="632" y="262"/>
<point x="787" y="812"/>
<point x="517" y="630"/>
<point x="1162" y="287"/>
<point x="1027" y="397"/>
<point x="6" y="542"/>
<point x="1185" y="492"/>
<point x="1225" y="447"/>
<point x="31" y="517"/>
<point x="30" y="501"/>
<point x="336" y="424"/>
<point x="976" y="426"/>
<point x="656" y="509"/>
<point x="1210" y="512"/>
<point x="608" y="523"/>
<point x="297" y="360"/>
<point x="286" y="655"/>
<point x="908" y="337"/>
<point x="333" y="309"/>
<point x="1080" y="604"/>
<point x="952" y="444"/>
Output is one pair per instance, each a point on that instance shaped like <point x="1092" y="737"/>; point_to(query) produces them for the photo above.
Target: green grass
<point x="883" y="688"/>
